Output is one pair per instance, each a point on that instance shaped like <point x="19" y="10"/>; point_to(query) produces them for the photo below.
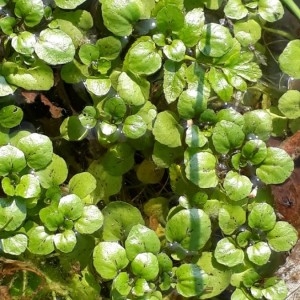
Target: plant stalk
<point x="293" y="7"/>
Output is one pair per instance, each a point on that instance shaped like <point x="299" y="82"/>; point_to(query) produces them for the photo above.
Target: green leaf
<point x="70" y="206"/>
<point x="270" y="10"/>
<point x="291" y="53"/>
<point x="191" y="280"/>
<point x="218" y="276"/>
<point x="119" y="16"/>
<point x="175" y="51"/>
<point x="38" y="150"/>
<point x="237" y="187"/>
<point x="191" y="228"/>
<point x="174" y="80"/>
<point x="12" y="160"/>
<point x="276" y="167"/>
<point x="65" y="241"/>
<point x="282" y="237"/>
<point x="98" y="86"/>
<point x="227" y="136"/>
<point x="38" y="76"/>
<point x="145" y="265"/>
<point x="115" y="107"/>
<point x="163" y="156"/>
<point x="141" y="287"/>
<point x="51" y="217"/>
<point x="54" y="47"/>
<point x="32" y="11"/>
<point x="5" y="88"/>
<point x="82" y="184"/>
<point x="141" y="239"/>
<point x="275" y="290"/>
<point x="200" y="168"/>
<point x="169" y="19"/>
<point x="119" y="159"/>
<point x="230" y="114"/>
<point x="165" y="262"/>
<point x="255" y="151"/>
<point x="90" y="220"/>
<point x="167" y="130"/>
<point x="28" y="187"/>
<point x="220" y="84"/>
<point x="122" y="283"/>
<point x="247" y="32"/>
<point x="40" y="242"/>
<point x="262" y="217"/>
<point x="24" y="43"/>
<point x="195" y="138"/>
<point x="235" y="9"/>
<point x="74" y="72"/>
<point x="231" y="217"/>
<point x="7" y="24"/>
<point x="227" y="254"/>
<point x="259" y="123"/>
<point x="72" y="129"/>
<point x="14" y="245"/>
<point x="289" y="104"/>
<point x="215" y="40"/>
<point x="259" y="253"/>
<point x="193" y="23"/>
<point x="109" y="47"/>
<point x="119" y="218"/>
<point x="12" y="214"/>
<point x="70" y="4"/>
<point x="109" y="258"/>
<point x="134" y="126"/>
<point x="54" y="174"/>
<point x="10" y="116"/>
<point x="142" y="57"/>
<point x="134" y="91"/>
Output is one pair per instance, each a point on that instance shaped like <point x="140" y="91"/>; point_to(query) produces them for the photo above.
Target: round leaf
<point x="227" y="136"/>
<point x="237" y="186"/>
<point x="5" y="88"/>
<point x="270" y="10"/>
<point x="169" y="18"/>
<point x="90" y="220"/>
<point x="122" y="283"/>
<point x="82" y="184"/>
<point x="276" y="167"/>
<point x="12" y="160"/>
<point x="31" y="11"/>
<point x="109" y="258"/>
<point x="291" y="53"/>
<point x="167" y="130"/>
<point x="145" y="265"/>
<point x="119" y="218"/>
<point x="70" y="206"/>
<point x="275" y="290"/>
<point x="28" y="187"/>
<point x="38" y="150"/>
<point x="134" y="126"/>
<point x="51" y="217"/>
<point x="24" y="43"/>
<point x="72" y="129"/>
<point x="54" y="47"/>
<point x="65" y="242"/>
<point x="247" y="32"/>
<point x="98" y="86"/>
<point x="141" y="239"/>
<point x="262" y="216"/>
<point x="109" y="47"/>
<point x="70" y="4"/>
<point x="227" y="254"/>
<point x="282" y="237"/>
<point x="175" y="51"/>
<point x="191" y="280"/>
<point x="10" y="116"/>
<point x="40" y="242"/>
<point x="195" y="138"/>
<point x="255" y="151"/>
<point x="191" y="228"/>
<point x="148" y="172"/>
<point x="289" y="104"/>
<point x="14" y="245"/>
<point x="215" y="40"/>
<point x="259" y="253"/>
<point x="200" y="168"/>
<point x="235" y="9"/>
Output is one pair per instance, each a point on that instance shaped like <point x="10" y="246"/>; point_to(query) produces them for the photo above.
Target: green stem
<point x="293" y="7"/>
<point x="279" y="32"/>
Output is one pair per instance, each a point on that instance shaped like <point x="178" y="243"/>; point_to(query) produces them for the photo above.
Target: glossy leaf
<point x="5" y="88"/>
<point x="175" y="51"/>
<point x="255" y="151"/>
<point x="11" y="160"/>
<point x="24" y="42"/>
<point x="145" y="265"/>
<point x="262" y="216"/>
<point x="72" y="129"/>
<point x="119" y="218"/>
<point x="235" y="9"/>
<point x="270" y="10"/>
<point x="122" y="283"/>
<point x="227" y="254"/>
<point x="163" y="156"/>
<point x="227" y="136"/>
<point x="289" y="104"/>
<point x="82" y="184"/>
<point x="68" y="4"/>
<point x="194" y="137"/>
<point x="191" y="228"/>
<point x="31" y="11"/>
<point x="98" y="86"/>
<point x="109" y="47"/>
<point x="169" y="18"/>
<point x="247" y="32"/>
<point x="90" y="220"/>
<point x="141" y="239"/>
<point x="38" y="150"/>
<point x="134" y="126"/>
<point x="259" y="253"/>
<point x="14" y="245"/>
<point x="191" y="280"/>
<point x="148" y="172"/>
<point x="51" y="217"/>
<point x="167" y="130"/>
<point x="291" y="54"/>
<point x="109" y="258"/>
<point x="237" y="186"/>
<point x="200" y="169"/>
<point x="40" y="242"/>
<point x="65" y="241"/>
<point x="10" y="116"/>
<point x="70" y="206"/>
<point x="276" y="167"/>
<point x="282" y="237"/>
<point x="28" y="187"/>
